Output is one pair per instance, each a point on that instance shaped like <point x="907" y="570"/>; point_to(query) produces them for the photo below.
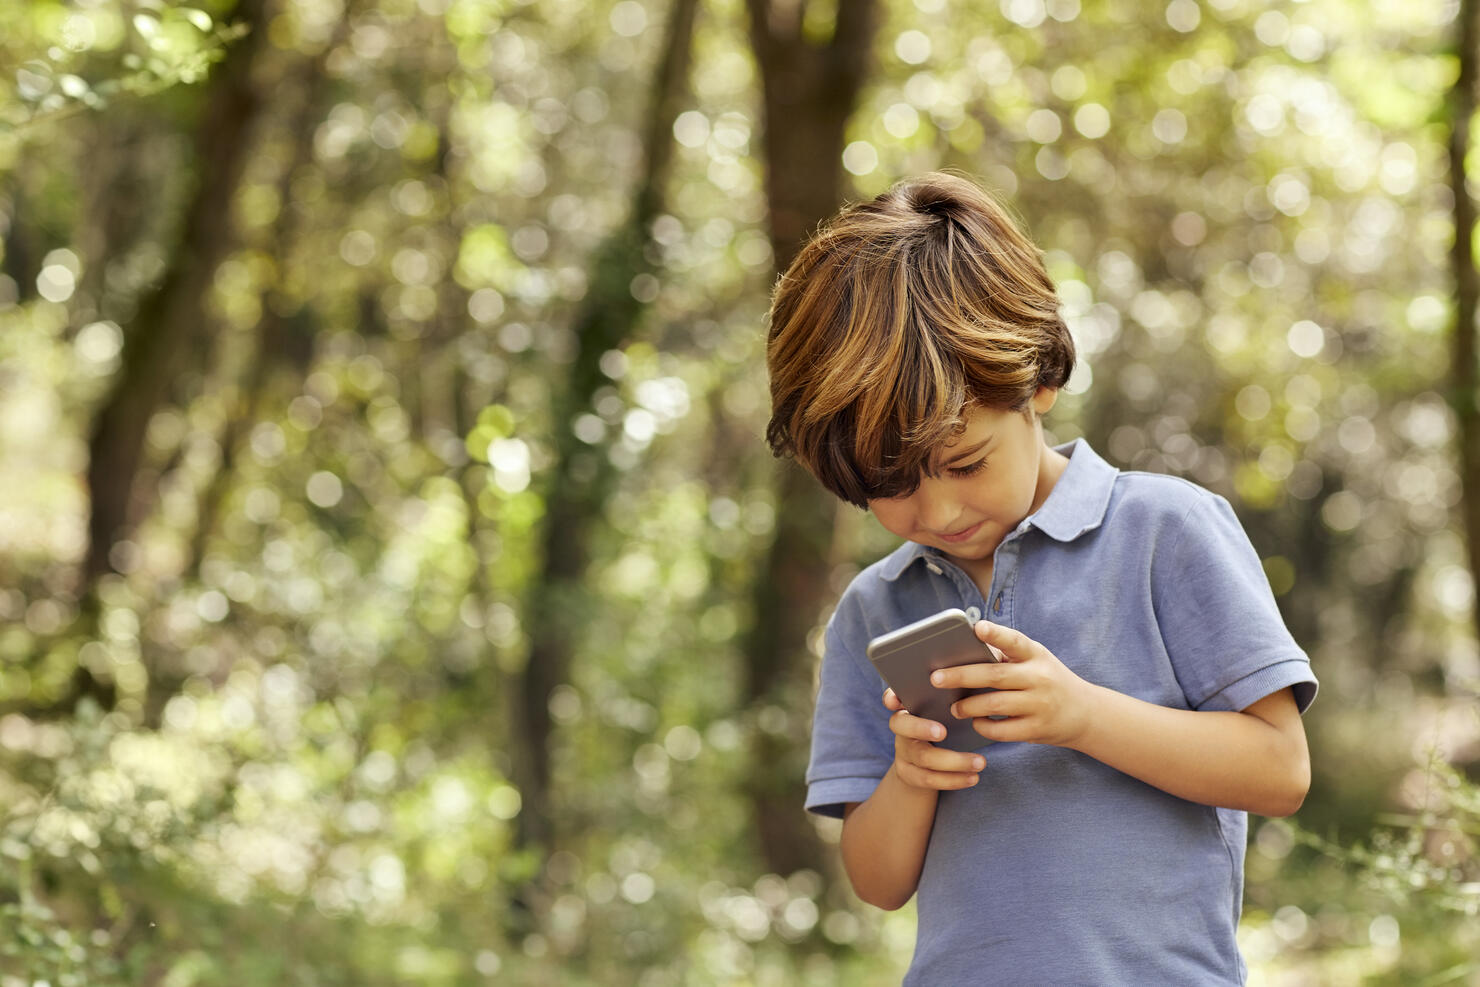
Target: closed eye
<point x="969" y="469"/>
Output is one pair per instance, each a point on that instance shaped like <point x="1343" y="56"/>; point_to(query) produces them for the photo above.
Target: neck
<point x="1051" y="466"/>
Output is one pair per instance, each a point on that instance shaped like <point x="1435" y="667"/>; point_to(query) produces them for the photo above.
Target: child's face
<point x="990" y="477"/>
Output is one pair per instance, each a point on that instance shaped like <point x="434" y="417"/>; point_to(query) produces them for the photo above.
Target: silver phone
<point x="906" y="657"/>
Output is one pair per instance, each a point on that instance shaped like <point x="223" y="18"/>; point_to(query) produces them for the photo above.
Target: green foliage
<point x="1398" y="907"/>
<point x="248" y="841"/>
<point x="86" y="56"/>
<point x="310" y="642"/>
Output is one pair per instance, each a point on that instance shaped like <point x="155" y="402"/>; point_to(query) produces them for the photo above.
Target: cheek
<point x="894" y="516"/>
<point x="1001" y="500"/>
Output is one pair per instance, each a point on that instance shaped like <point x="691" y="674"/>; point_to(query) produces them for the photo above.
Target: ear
<point x="1044" y="399"/>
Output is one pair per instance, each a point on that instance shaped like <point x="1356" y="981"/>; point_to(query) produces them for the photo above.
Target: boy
<point x="1150" y="695"/>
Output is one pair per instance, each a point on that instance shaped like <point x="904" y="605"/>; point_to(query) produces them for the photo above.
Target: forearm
<point x="1229" y="759"/>
<point x="884" y="841"/>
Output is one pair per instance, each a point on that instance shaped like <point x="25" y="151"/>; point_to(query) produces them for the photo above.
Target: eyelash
<point x="970" y="470"/>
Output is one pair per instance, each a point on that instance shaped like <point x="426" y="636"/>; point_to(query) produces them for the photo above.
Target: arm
<point x="885" y="837"/>
<point x="1255" y="759"/>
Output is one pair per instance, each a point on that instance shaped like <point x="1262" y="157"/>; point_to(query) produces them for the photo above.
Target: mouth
<point x="962" y="535"/>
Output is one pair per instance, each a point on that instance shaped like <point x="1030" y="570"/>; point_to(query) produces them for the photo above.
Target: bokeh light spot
<point x="324" y="489"/>
<point x="912" y="47"/>
<point x="860" y="158"/>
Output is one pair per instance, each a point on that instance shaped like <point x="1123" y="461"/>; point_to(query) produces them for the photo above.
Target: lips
<point x="961" y="535"/>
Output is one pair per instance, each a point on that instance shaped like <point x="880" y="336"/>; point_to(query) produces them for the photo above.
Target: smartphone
<point x="906" y="657"/>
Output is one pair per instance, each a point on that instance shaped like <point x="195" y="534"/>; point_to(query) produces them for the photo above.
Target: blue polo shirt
<point x="1054" y="868"/>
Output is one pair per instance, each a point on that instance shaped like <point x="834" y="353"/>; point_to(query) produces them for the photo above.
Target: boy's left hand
<point x="1043" y="701"/>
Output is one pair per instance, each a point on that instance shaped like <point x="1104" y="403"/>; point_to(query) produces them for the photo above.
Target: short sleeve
<point x="852" y="746"/>
<point x="1228" y="644"/>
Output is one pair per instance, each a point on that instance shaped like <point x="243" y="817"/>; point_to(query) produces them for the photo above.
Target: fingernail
<point x="938" y="733"/>
<point x="977" y="764"/>
<point x="936" y="678"/>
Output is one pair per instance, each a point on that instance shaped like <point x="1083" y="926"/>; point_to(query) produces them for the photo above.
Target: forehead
<point x="977" y="425"/>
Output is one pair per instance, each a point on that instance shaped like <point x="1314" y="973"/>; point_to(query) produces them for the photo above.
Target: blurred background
<point x="395" y="587"/>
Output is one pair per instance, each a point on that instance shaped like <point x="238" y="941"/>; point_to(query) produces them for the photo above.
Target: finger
<point x="981" y="627"/>
<point x="943" y="759"/>
<point x="1014" y="644"/>
<point x="906" y="724"/>
<point x="891" y="701"/>
<point x="944" y="781"/>
<point x="1014" y="728"/>
<point x="1006" y="702"/>
<point x="984" y="675"/>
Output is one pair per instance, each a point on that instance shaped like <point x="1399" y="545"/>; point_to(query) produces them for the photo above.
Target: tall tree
<point x="809" y="90"/>
<point x="281" y="339"/>
<point x="579" y="478"/>
<point x="1466" y="282"/>
<point x="18" y="253"/>
<point x="167" y="332"/>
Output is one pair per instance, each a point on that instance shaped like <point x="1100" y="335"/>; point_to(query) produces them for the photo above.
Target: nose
<point x="936" y="509"/>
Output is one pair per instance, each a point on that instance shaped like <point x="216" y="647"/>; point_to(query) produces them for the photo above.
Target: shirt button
<point x="934" y="568"/>
<point x="973" y="614"/>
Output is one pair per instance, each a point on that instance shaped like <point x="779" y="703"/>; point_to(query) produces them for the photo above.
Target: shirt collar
<point x="1075" y="505"/>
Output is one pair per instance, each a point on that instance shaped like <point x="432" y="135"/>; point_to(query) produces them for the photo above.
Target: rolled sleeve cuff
<point x="1291" y="673"/>
<point x="828" y="796"/>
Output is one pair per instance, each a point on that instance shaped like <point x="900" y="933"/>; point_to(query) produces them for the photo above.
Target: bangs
<point x="902" y="428"/>
<point x="884" y="441"/>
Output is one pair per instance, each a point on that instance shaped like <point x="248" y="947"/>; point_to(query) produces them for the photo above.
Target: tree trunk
<point x="167" y="331"/>
<point x="575" y="492"/>
<point x="284" y="338"/>
<point x="18" y="260"/>
<point x="117" y="194"/>
<point x="1466" y="287"/>
<point x="809" y="92"/>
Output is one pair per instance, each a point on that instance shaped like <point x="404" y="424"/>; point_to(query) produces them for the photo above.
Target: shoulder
<point x="1159" y="489"/>
<point x="1159" y="517"/>
<point x="884" y="595"/>
<point x="876" y="582"/>
<point x="1160" y="501"/>
<point x="1184" y="532"/>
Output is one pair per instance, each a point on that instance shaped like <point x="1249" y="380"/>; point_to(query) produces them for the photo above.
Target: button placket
<point x="1004" y="576"/>
<point x="965" y="587"/>
<point x="968" y="589"/>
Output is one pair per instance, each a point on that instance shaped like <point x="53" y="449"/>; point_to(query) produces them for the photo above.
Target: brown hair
<point x="898" y="316"/>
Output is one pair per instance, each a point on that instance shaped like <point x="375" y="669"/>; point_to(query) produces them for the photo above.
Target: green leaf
<point x="199" y="18"/>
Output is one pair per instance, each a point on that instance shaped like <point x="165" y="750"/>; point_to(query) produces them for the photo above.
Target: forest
<point x="395" y="583"/>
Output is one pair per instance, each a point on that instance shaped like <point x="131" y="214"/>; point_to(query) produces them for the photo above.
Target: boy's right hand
<point x="921" y="764"/>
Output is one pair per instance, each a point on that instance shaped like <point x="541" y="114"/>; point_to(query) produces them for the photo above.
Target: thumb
<point x="1005" y="643"/>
